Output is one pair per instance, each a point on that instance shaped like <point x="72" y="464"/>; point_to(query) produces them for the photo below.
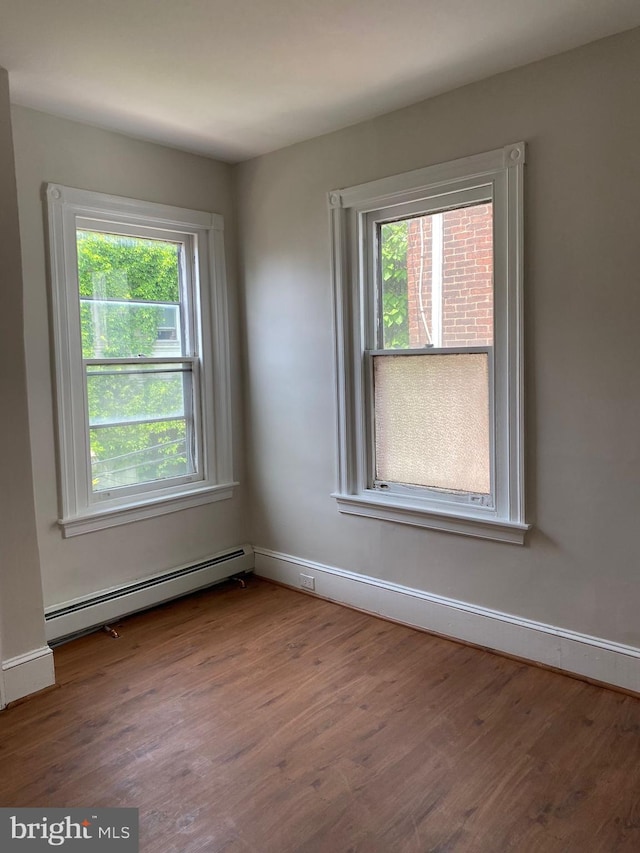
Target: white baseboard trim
<point x="579" y="654"/>
<point x="27" y="674"/>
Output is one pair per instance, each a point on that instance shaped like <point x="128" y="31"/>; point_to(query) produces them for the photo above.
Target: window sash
<point x="188" y="273"/>
<point x="190" y="368"/>
<point x="419" y="491"/>
<point x="370" y="236"/>
<point x="188" y="315"/>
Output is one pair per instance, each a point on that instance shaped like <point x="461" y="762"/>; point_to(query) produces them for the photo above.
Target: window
<point x="428" y="304"/>
<point x="141" y="376"/>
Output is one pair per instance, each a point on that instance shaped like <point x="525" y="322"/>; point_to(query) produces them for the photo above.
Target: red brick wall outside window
<point x="467" y="278"/>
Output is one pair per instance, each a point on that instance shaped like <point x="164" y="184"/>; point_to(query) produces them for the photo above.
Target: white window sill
<point x="466" y="522"/>
<point x="101" y="518"/>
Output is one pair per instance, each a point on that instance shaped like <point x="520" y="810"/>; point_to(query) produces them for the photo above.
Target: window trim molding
<point x="148" y="508"/>
<point x="349" y="209"/>
<point x="78" y="514"/>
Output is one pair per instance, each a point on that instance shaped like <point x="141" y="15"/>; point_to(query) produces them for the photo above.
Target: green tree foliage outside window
<point x="393" y="264"/>
<point x="118" y="270"/>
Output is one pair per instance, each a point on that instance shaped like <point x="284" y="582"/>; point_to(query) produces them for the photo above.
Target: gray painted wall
<point x="50" y="149"/>
<point x="21" y="617"/>
<point x="578" y="112"/>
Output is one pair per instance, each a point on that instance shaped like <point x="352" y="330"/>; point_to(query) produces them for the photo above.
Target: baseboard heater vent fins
<point x="73" y="617"/>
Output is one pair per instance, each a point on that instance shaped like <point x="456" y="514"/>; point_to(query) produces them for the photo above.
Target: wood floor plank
<point x="265" y="720"/>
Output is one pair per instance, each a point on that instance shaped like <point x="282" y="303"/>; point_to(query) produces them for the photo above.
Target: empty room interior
<point x="320" y="354"/>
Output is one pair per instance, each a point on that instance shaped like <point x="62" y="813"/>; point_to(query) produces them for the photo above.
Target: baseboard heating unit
<point x="81" y="614"/>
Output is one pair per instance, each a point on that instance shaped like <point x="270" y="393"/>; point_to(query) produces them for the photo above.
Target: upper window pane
<point x="436" y="276"/>
<point x="129" y="296"/>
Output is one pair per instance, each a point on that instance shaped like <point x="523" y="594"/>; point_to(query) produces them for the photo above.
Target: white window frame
<point x="202" y="235"/>
<point x="497" y="176"/>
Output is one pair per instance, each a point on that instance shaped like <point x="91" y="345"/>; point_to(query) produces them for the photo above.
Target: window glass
<point x="140" y="415"/>
<point x="124" y="394"/>
<point x="129" y="295"/>
<point x="138" y="453"/>
<point x="432" y="421"/>
<point x="436" y="275"/>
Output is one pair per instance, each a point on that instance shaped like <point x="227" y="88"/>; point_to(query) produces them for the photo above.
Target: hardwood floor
<point x="267" y="721"/>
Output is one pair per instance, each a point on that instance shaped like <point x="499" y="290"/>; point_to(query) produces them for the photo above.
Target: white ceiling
<point x="236" y="78"/>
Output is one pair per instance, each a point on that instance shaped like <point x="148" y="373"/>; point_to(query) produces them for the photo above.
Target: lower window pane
<point x="432" y="421"/>
<point x="139" y="453"/>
